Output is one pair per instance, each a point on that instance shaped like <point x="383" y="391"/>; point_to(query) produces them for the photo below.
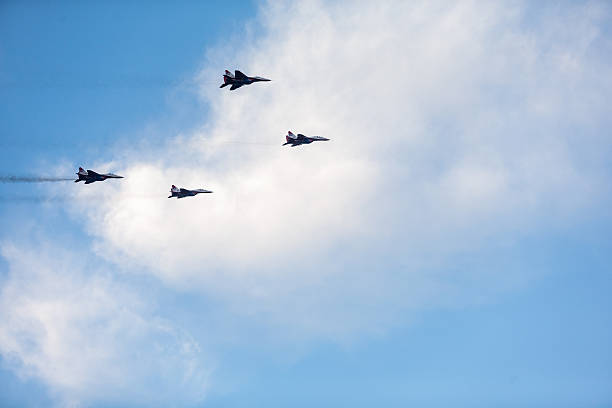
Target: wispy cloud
<point x="90" y="338"/>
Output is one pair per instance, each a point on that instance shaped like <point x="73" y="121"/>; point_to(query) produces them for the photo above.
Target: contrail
<point x="32" y="179"/>
<point x="34" y="199"/>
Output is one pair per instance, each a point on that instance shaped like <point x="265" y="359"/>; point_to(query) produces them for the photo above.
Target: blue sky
<point x="449" y="246"/>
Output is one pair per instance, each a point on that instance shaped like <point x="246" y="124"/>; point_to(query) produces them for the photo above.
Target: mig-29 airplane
<point x="300" y="139"/>
<point x="91" y="176"/>
<point x="183" y="192"/>
<point x="239" y="79"/>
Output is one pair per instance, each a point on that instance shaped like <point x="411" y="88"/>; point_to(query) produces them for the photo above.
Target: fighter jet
<point x="239" y="79"/>
<point x="300" y="139"/>
<point x="183" y="192"/>
<point x="91" y="176"/>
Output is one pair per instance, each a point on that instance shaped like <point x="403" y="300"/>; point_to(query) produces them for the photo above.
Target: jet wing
<point x="184" y="190"/>
<point x="90" y="181"/>
<point x="92" y="173"/>
<point x="235" y="86"/>
<point x="239" y="75"/>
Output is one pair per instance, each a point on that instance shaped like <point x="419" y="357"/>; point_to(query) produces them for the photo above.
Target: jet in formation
<point x="183" y="192"/>
<point x="91" y="176"/>
<point x="238" y="79"/>
<point x="300" y="139"/>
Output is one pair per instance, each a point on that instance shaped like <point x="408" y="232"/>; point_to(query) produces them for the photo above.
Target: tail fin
<point x="229" y="74"/>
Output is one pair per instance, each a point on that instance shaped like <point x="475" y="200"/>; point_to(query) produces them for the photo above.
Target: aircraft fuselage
<point x="300" y="139"/>
<point x="91" y="176"/>
<point x="239" y="79"/>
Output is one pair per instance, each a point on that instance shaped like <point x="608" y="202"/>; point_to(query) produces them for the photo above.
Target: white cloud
<point x="89" y="338"/>
<point x="455" y="128"/>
